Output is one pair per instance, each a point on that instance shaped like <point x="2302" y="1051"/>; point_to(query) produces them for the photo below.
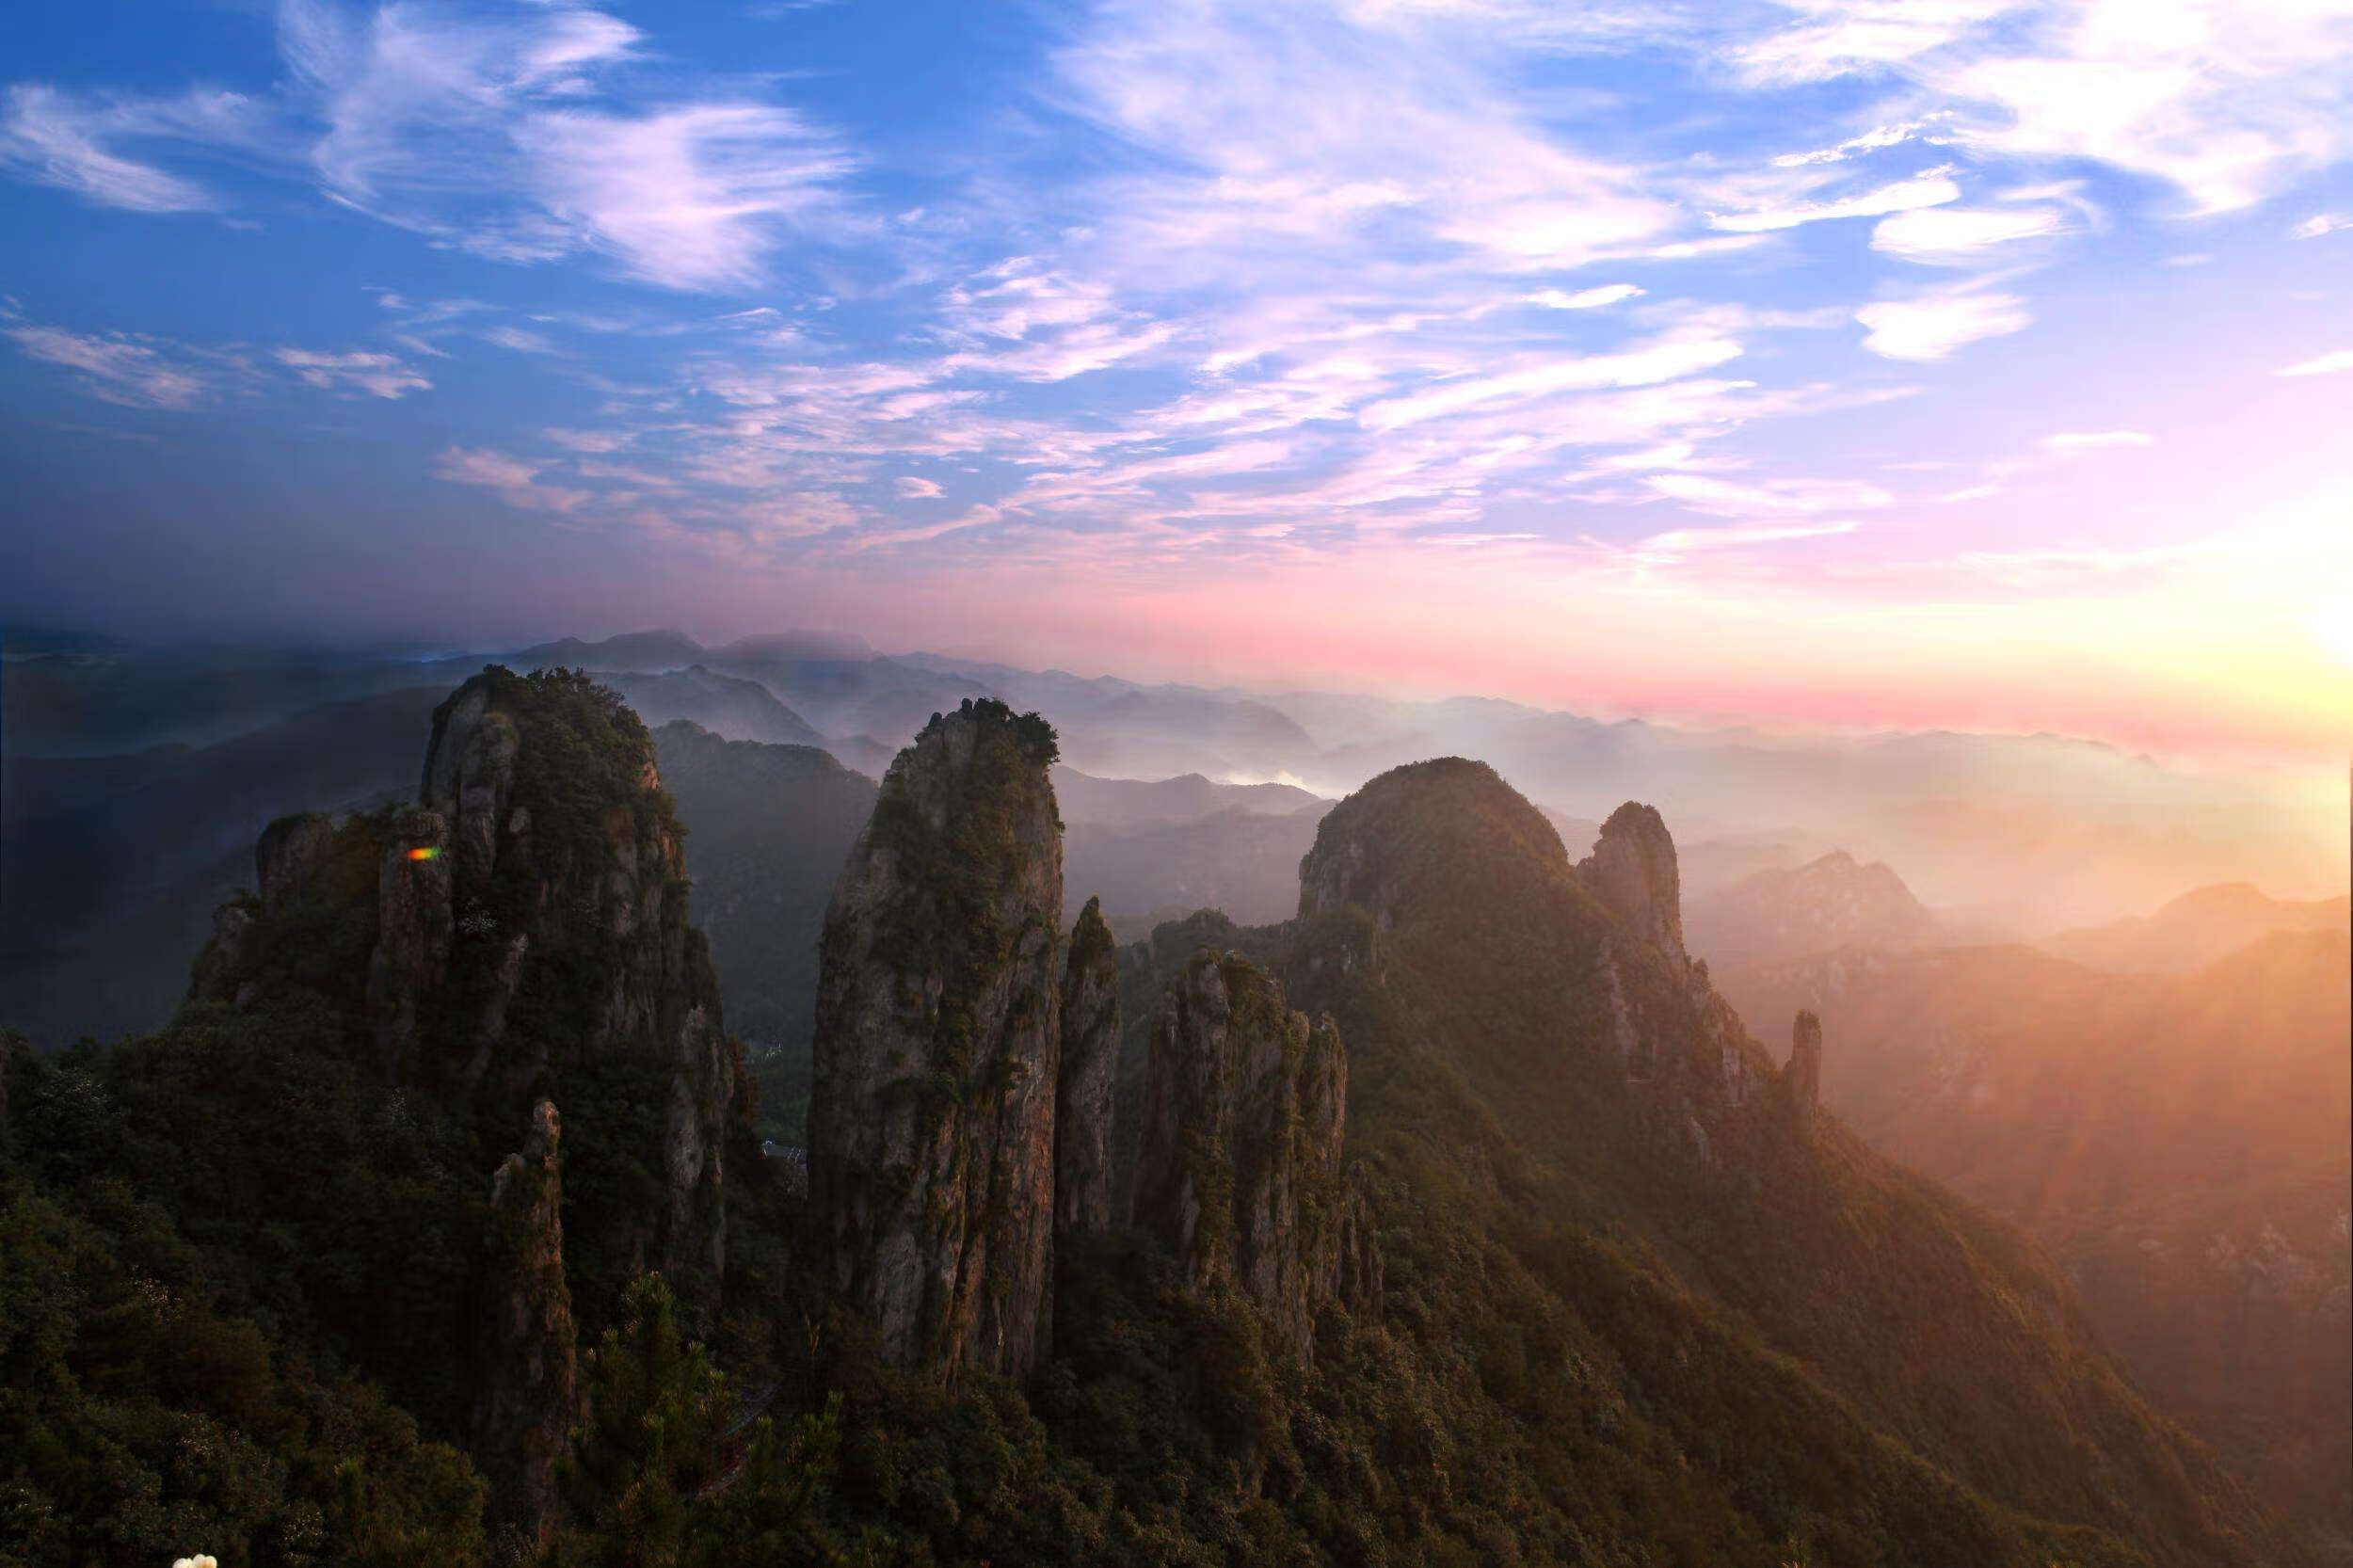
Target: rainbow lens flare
<point x="425" y="851"/>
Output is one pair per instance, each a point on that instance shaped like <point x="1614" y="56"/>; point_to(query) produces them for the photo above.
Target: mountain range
<point x="1463" y="1218"/>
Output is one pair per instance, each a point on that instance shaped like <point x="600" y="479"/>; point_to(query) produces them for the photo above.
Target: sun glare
<point x="2332" y="627"/>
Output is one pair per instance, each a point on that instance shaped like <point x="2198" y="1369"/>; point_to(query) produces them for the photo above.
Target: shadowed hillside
<point x="2180" y="1142"/>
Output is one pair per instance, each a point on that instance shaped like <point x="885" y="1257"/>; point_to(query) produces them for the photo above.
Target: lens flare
<point x="425" y="851"/>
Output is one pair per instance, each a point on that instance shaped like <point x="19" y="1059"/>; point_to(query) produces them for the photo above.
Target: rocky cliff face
<point x="932" y="1117"/>
<point x="524" y="1401"/>
<point x="1090" y="1065"/>
<point x="531" y="929"/>
<point x="1632" y="871"/>
<point x="1801" y="1079"/>
<point x="529" y="939"/>
<point x="1239" y="1170"/>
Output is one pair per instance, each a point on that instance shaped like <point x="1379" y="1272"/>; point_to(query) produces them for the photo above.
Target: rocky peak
<point x="1802" y="1078"/>
<point x="1239" y="1170"/>
<point x="931" y="1115"/>
<point x="528" y="1357"/>
<point x="1089" y="1068"/>
<point x="529" y="931"/>
<point x="291" y="852"/>
<point x="1415" y="830"/>
<point x="1632" y="871"/>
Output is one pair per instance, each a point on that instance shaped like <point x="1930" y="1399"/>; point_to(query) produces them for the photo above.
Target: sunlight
<point x="2332" y="628"/>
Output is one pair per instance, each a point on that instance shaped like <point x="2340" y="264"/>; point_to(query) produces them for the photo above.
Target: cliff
<point x="519" y="933"/>
<point x="932" y="1137"/>
<point x="1632" y="871"/>
<point x="1089" y="1067"/>
<point x="528" y="1357"/>
<point x="1237" y="1174"/>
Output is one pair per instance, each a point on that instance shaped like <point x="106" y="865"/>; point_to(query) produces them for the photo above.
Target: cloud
<point x="2087" y="441"/>
<point x="485" y="132"/>
<point x="75" y="142"/>
<point x="376" y="375"/>
<point x="2324" y="364"/>
<point x="587" y="441"/>
<point x="1840" y="38"/>
<point x="1665" y="361"/>
<point x="135" y="372"/>
<point x="911" y="488"/>
<point x="2228" y="101"/>
<point x="1727" y="498"/>
<point x="1685" y="540"/>
<point x="1931" y="190"/>
<point x="1958" y="235"/>
<point x="2319" y="224"/>
<point x="1933" y="326"/>
<point x="515" y="479"/>
<point x="1584" y="299"/>
<point x="692" y="197"/>
<point x="519" y="339"/>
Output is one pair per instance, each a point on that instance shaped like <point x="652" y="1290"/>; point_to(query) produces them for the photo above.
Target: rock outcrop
<point x="1239" y="1170"/>
<point x="414" y="927"/>
<point x="291" y="852"/>
<point x="530" y="941"/>
<point x="1632" y="871"/>
<point x="529" y="1368"/>
<point x="932" y="1136"/>
<point x="1089" y="1069"/>
<point x="532" y="927"/>
<point x="1801" y="1079"/>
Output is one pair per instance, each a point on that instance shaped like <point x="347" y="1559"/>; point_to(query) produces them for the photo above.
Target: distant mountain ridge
<point x="1832" y="902"/>
<point x="2195" y="930"/>
<point x="2180" y="1142"/>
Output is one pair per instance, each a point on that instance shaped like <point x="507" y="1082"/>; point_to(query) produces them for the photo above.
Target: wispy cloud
<point x="135" y="372"/>
<point x="361" y="370"/>
<point x="81" y="142"/>
<point x="1685" y="540"/>
<point x="1933" y="189"/>
<point x="515" y="479"/>
<point x="2090" y="441"/>
<point x="2322" y="365"/>
<point x="1932" y="327"/>
<point x="1960" y="235"/>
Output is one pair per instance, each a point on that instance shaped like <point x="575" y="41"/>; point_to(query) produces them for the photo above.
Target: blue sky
<point x="1446" y="343"/>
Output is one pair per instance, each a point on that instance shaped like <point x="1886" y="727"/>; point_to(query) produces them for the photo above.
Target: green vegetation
<point x="239" y="1273"/>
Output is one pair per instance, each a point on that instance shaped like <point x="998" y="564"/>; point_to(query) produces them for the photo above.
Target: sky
<point x="1834" y="363"/>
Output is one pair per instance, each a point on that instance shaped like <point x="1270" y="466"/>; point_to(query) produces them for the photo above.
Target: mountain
<point x="2195" y="930"/>
<point x="932" y="1132"/>
<point x="1244" y="862"/>
<point x="1830" y="902"/>
<point x="883" y="698"/>
<point x="374" y="1037"/>
<point x="1127" y="802"/>
<point x="789" y="646"/>
<point x="767" y="830"/>
<point x="722" y="704"/>
<point x="647" y="652"/>
<point x="2179" y="1142"/>
<point x="114" y="865"/>
<point x="1461" y="1220"/>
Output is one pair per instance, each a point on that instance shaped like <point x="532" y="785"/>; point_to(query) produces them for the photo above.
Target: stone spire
<point x="1090" y="1064"/>
<point x="528" y="1369"/>
<point x="1632" y="871"/>
<point x="931" y="1124"/>
<point x="1238" y="1172"/>
<point x="1803" y="1077"/>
